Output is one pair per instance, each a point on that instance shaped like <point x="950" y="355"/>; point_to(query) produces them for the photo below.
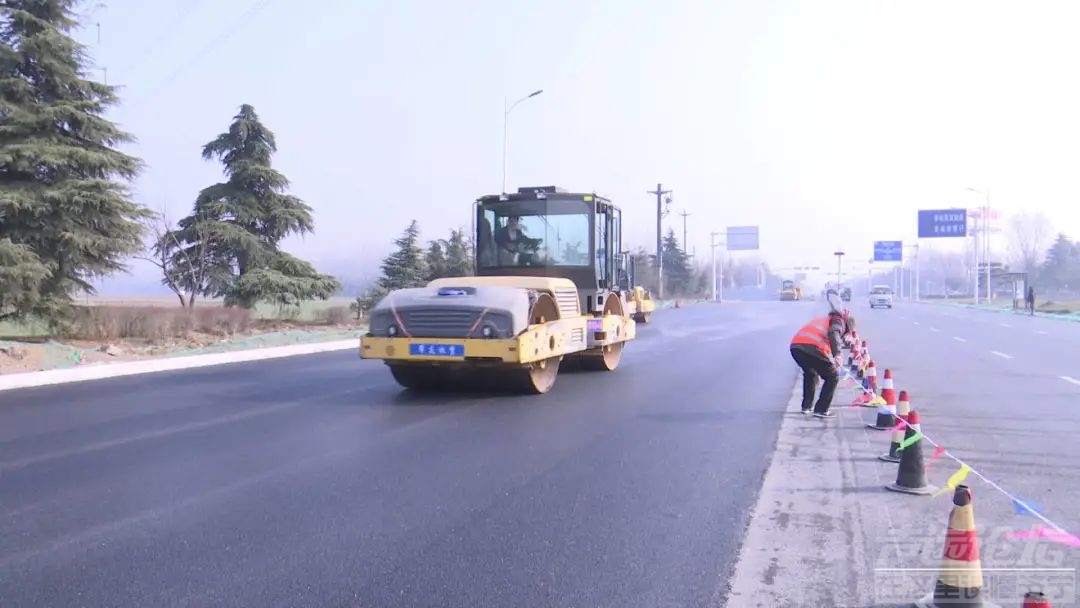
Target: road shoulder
<point x="806" y="545"/>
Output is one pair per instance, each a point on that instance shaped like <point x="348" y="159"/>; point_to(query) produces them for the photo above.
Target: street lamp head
<point x="838" y="253"/>
<point x="535" y="93"/>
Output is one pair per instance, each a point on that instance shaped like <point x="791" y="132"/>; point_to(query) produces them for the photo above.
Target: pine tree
<point x="1062" y="266"/>
<point x="435" y="261"/>
<point x="676" y="270"/>
<point x="68" y="211"/>
<point x="21" y="275"/>
<point x="459" y="262"/>
<point x="404" y="267"/>
<point x="237" y="225"/>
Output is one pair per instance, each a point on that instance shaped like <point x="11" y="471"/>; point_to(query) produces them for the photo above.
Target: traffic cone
<point x="888" y="390"/>
<point x="1036" y="599"/>
<point x="903" y="406"/>
<point x="959" y="581"/>
<point x="871" y="372"/>
<point x="886" y="412"/>
<point x="911" y="474"/>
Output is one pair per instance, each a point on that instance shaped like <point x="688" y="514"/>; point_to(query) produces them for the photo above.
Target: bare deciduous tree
<point x="185" y="270"/>
<point x="1030" y="235"/>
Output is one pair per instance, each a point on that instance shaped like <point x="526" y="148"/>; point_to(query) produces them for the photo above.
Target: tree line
<point x="412" y="264"/>
<point x="68" y="218"/>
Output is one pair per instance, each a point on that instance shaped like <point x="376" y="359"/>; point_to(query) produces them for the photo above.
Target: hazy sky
<point x="827" y="123"/>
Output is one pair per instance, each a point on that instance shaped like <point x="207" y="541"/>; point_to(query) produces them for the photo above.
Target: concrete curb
<point x="148" y="366"/>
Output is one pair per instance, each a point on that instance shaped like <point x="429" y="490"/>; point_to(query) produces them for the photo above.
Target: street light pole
<point x="983" y="232"/>
<point x="839" y="257"/>
<point x="713" y="243"/>
<point x="507" y="107"/>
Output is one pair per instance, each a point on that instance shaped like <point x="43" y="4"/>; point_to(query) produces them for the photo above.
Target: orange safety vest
<point x="815" y="333"/>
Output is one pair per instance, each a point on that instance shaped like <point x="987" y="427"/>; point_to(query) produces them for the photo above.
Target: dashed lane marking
<point x="1004" y="325"/>
<point x="1001" y="354"/>
<point x="1040" y="332"/>
<point x="934" y="329"/>
<point x="917" y="323"/>
<point x="1070" y="379"/>
<point x="959" y="339"/>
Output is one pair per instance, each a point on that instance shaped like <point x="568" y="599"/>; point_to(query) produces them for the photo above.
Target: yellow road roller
<point x="553" y="287"/>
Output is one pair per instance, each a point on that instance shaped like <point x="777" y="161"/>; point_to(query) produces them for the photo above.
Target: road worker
<point x="816" y="350"/>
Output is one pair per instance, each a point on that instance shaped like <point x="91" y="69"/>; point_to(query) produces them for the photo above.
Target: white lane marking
<point x="917" y="323"/>
<point x="1004" y="325"/>
<point x="1040" y="332"/>
<point x="959" y="339"/>
<point x="934" y="329"/>
<point x="1068" y="379"/>
<point x="1000" y="354"/>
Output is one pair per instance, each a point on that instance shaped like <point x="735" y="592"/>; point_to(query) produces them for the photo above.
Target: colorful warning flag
<point x="910" y="441"/>
<point x="954" y="480"/>
<point x="1025" y="507"/>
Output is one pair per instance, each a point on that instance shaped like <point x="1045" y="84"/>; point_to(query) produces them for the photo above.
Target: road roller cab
<point x="552" y="284"/>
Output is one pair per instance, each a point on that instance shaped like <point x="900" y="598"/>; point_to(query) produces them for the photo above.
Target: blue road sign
<point x="888" y="251"/>
<point x="742" y="238"/>
<point x="942" y="223"/>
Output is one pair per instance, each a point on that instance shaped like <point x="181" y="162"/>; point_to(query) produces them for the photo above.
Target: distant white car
<point x="881" y="295"/>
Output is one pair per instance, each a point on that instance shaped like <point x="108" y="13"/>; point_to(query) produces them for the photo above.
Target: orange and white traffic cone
<point x="871" y="372"/>
<point x="888" y="390"/>
<point x="911" y="474"/>
<point x="903" y="406"/>
<point x="959" y="581"/>
<point x="886" y="413"/>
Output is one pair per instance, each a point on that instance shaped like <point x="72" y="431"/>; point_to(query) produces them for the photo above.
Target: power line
<point x="186" y="9"/>
<point x="225" y="34"/>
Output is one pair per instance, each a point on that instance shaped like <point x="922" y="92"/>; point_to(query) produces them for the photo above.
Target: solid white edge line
<point x="1001" y="354"/>
<point x="147" y="366"/>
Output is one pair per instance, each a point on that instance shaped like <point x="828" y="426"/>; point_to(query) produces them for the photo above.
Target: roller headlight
<point x="392" y="330"/>
<point x="487" y="331"/>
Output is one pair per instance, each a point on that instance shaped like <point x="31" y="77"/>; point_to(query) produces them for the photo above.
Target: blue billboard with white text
<point x="888" y="251"/>
<point x="942" y="223"/>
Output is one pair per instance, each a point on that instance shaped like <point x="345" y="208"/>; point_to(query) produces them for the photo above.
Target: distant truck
<point x="789" y="291"/>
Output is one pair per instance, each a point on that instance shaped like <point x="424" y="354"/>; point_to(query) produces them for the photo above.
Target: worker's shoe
<point x="829" y="414"/>
<point x="807" y="411"/>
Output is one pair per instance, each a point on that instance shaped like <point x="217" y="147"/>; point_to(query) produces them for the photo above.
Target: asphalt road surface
<point x="316" y="481"/>
<point x="1001" y="391"/>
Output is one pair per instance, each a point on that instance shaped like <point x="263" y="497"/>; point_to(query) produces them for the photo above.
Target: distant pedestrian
<point x="1029" y="300"/>
<point x="816" y="350"/>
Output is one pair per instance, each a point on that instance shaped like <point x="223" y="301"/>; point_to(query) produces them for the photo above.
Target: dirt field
<point x="126" y="329"/>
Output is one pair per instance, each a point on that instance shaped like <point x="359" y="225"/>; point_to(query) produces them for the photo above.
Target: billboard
<point x="942" y="223"/>
<point x="888" y="251"/>
<point x="742" y="238"/>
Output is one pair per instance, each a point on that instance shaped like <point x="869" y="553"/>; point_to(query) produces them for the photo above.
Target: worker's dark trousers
<point x="814" y="364"/>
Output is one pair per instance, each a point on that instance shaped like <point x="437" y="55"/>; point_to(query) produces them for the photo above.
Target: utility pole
<point x="660" y="213"/>
<point x="685" y="244"/>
